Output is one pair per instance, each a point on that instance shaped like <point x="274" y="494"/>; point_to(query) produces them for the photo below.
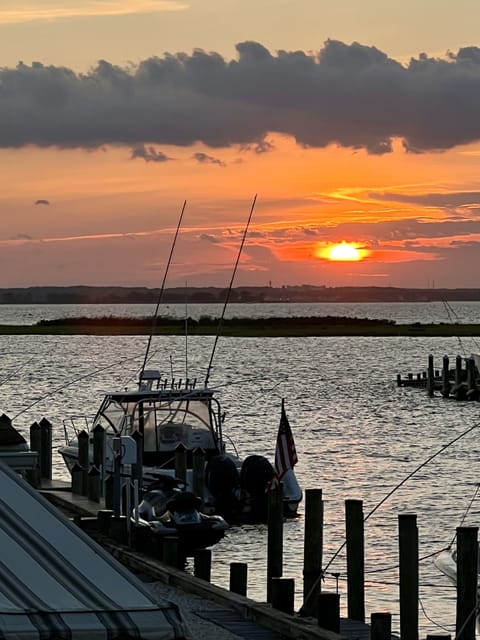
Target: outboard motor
<point x="223" y="481"/>
<point x="255" y="477"/>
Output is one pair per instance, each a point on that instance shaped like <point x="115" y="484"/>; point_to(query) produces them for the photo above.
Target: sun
<point x="345" y="251"/>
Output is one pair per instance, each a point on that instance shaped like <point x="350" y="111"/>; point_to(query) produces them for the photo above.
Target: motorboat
<point x="167" y="509"/>
<point x="167" y="415"/>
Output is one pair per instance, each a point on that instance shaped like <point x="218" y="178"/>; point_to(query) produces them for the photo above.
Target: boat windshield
<point x="164" y="423"/>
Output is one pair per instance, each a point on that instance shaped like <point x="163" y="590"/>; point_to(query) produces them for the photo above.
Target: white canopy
<point x="55" y="582"/>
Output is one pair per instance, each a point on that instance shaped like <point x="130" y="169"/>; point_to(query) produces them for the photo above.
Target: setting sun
<point x="343" y="252"/>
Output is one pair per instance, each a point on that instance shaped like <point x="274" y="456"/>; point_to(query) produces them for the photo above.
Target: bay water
<point x="357" y="434"/>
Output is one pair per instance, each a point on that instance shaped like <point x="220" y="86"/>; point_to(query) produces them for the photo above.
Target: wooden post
<point x="355" y="559"/>
<point x="104" y="517"/>
<point x="238" y="577"/>
<point x="283" y="594"/>
<point x="275" y="537"/>
<point x="381" y="626"/>
<point x="446" y="377"/>
<point x="94" y="484"/>
<point x="408" y="563"/>
<point x="118" y="528"/>
<point x="467" y="577"/>
<point x="202" y="564"/>
<point x="36" y="445"/>
<point x="430" y="377"/>
<point x="77" y="479"/>
<point x="312" y="550"/>
<point x="438" y="636"/>
<point x="46" y="453"/>
<point x="99" y="444"/>
<point x="472" y="391"/>
<point x="84" y="457"/>
<point x="109" y="490"/>
<point x="171" y="555"/>
<point x="198" y="472"/>
<point x="181" y="462"/>
<point x="328" y="611"/>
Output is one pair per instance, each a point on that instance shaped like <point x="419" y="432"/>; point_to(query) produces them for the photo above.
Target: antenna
<point x="160" y="295"/>
<point x="227" y="298"/>
<point x="186" y="334"/>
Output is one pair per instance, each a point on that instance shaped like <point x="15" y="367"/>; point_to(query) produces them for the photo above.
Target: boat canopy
<point x="165" y="418"/>
<point x="56" y="582"/>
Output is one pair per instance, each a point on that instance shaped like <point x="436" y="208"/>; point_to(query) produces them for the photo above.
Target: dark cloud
<point x="42" y="201"/>
<point x="453" y="199"/>
<point x="149" y="154"/>
<point x="204" y="158"/>
<point x="351" y="95"/>
<point x="209" y="238"/>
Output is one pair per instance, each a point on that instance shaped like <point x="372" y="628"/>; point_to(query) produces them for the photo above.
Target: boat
<point x="174" y="414"/>
<point x="167" y="509"/>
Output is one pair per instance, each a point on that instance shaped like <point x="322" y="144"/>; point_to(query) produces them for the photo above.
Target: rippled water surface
<point x="357" y="434"/>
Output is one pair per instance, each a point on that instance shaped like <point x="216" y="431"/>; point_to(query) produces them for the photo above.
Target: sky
<point x="355" y="124"/>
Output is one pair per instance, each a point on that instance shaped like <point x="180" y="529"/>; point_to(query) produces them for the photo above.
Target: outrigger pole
<point x="227" y="298"/>
<point x="160" y="295"/>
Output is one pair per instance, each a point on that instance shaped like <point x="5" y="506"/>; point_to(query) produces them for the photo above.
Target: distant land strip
<point x="241" y="327"/>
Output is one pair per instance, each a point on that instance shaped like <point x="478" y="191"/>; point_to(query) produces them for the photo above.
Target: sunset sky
<point x="353" y="122"/>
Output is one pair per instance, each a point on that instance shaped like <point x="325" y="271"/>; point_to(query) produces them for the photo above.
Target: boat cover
<point x="55" y="582"/>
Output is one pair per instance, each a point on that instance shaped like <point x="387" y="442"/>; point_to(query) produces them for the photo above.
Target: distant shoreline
<point x="244" y="327"/>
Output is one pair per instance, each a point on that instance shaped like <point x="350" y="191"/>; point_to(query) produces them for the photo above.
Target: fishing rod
<point x="160" y="295"/>
<point x="227" y="297"/>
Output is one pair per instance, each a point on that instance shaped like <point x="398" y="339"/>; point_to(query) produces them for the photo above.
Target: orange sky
<point x="104" y="212"/>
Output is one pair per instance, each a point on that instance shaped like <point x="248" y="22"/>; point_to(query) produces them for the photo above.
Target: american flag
<point x="285" y="453"/>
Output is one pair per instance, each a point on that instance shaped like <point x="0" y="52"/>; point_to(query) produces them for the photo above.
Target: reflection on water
<point x="357" y="436"/>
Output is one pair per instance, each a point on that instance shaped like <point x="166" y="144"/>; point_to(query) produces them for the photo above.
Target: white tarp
<point x="55" y="582"/>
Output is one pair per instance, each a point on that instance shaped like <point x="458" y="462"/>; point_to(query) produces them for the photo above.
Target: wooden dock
<point x="245" y="617"/>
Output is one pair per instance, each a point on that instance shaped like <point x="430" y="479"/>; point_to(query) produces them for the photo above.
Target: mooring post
<point x="181" y="462"/>
<point x="109" y="491"/>
<point x="198" y="472"/>
<point x="94" y="484"/>
<point x="274" y="537"/>
<point x="77" y="479"/>
<point x="104" y="517"/>
<point x="381" y="626"/>
<point x="36" y="445"/>
<point x="472" y="391"/>
<point x="238" y="577"/>
<point x="446" y="377"/>
<point x="430" y="377"/>
<point x="408" y="570"/>
<point x="46" y="459"/>
<point x="355" y="539"/>
<point x="99" y="444"/>
<point x="84" y="458"/>
<point x="467" y="582"/>
<point x="312" y="550"/>
<point x="438" y="636"/>
<point x="202" y="564"/>
<point x="283" y="594"/>
<point x="171" y="555"/>
<point x="328" y="611"/>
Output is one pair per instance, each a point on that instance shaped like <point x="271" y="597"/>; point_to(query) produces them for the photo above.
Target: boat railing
<point x="232" y="444"/>
<point x="74" y="425"/>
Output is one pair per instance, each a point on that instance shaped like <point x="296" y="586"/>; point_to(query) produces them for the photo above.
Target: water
<point x="401" y="312"/>
<point x="357" y="435"/>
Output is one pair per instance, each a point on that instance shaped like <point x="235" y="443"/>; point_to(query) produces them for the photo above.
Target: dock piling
<point x="355" y="559"/>
<point x="313" y="550"/>
<point x="202" y="564"/>
<point x="408" y="561"/>
<point x="274" y="537"/>
<point x="328" y="611"/>
<point x="467" y="577"/>
<point x="381" y="626"/>
<point x="283" y="594"/>
<point x="238" y="577"/>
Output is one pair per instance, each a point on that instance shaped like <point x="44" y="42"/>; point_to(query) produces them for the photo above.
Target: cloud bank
<point x="351" y="95"/>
